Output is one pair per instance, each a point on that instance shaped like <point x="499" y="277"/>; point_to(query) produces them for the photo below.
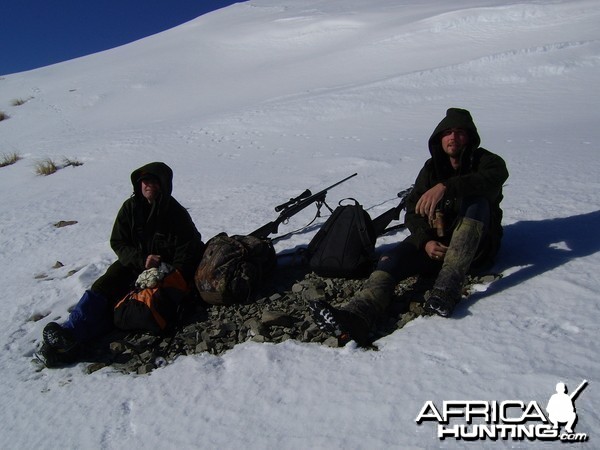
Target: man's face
<point x="454" y="141"/>
<point x="150" y="189"/>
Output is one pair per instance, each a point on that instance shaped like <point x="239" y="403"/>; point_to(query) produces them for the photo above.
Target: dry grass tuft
<point x="9" y="159"/>
<point x="46" y="167"/>
<point x="19" y="102"/>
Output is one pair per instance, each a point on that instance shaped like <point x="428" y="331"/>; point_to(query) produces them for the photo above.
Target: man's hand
<point x="152" y="261"/>
<point x="429" y="200"/>
<point x="436" y="250"/>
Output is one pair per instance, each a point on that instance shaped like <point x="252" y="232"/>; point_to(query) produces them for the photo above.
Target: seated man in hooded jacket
<point x="462" y="183"/>
<point x="152" y="231"/>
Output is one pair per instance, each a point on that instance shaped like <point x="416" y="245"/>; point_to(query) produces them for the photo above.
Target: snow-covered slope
<point x="254" y="103"/>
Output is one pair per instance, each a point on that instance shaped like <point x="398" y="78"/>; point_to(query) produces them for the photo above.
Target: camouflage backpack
<point x="233" y="267"/>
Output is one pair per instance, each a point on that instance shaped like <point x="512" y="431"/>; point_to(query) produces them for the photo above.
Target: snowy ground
<point x="251" y="105"/>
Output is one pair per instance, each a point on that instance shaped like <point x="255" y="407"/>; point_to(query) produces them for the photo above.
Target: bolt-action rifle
<point x="381" y="222"/>
<point x="294" y="206"/>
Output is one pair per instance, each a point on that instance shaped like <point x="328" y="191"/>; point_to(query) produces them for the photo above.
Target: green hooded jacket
<point x="162" y="228"/>
<point x="481" y="174"/>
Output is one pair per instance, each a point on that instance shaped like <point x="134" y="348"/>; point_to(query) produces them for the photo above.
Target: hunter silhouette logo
<point x="561" y="407"/>
<point x="472" y="420"/>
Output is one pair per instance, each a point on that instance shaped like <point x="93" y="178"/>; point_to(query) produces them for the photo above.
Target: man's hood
<point x="160" y="170"/>
<point x="455" y="118"/>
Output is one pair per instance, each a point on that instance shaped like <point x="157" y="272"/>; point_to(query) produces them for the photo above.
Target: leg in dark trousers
<point x="403" y="261"/>
<point x="117" y="281"/>
<point x="92" y="317"/>
<point x="93" y="314"/>
<point x="358" y="316"/>
<point x="466" y="240"/>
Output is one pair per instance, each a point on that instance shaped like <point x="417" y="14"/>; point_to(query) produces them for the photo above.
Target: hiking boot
<point x="342" y="324"/>
<point x="441" y="302"/>
<point x="58" y="338"/>
<point x="53" y="358"/>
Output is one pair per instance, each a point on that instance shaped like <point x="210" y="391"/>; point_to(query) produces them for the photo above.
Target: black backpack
<point x="344" y="246"/>
<point x="233" y="267"/>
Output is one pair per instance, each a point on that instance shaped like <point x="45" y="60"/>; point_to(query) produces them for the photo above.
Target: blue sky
<point x="37" y="33"/>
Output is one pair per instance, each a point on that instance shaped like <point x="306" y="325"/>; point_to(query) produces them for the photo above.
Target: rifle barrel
<point x="576" y="392"/>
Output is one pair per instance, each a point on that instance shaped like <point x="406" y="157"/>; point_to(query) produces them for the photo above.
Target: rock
<point x="275" y="297"/>
<point x="277" y="318"/>
<point x="405" y="318"/>
<point x="313" y="293"/>
<point x="331" y="342"/>
<point x="145" y="369"/>
<point x="94" y="367"/>
<point x="276" y="333"/>
<point x="228" y="326"/>
<point x="256" y="327"/>
<point x="35" y="317"/>
<point x="416" y="308"/>
<point x="117" y="347"/>
<point x="202" y="347"/>
<point x="64" y="223"/>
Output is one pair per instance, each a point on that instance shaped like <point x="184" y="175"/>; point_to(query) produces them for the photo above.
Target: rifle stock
<point x="293" y="207"/>
<point x="381" y="222"/>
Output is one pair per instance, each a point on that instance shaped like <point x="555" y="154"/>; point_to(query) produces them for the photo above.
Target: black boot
<point x="342" y="324"/>
<point x="59" y="347"/>
<point x="441" y="302"/>
<point x="58" y="337"/>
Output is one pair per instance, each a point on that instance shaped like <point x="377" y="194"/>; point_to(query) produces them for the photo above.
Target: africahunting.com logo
<point x="472" y="420"/>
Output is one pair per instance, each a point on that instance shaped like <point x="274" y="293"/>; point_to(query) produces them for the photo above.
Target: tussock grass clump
<point x="18" y="101"/>
<point x="3" y="116"/>
<point x="9" y="159"/>
<point x="46" y="167"/>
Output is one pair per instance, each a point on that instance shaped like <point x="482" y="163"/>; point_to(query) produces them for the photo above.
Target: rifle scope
<point x="291" y="201"/>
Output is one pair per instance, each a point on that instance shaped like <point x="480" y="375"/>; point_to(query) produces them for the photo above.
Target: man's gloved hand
<point x="150" y="278"/>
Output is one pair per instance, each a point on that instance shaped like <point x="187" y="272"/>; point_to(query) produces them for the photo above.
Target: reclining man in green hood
<point x="152" y="233"/>
<point x="461" y="183"/>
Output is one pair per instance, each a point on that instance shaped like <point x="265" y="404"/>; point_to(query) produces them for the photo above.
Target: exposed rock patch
<point x="279" y="313"/>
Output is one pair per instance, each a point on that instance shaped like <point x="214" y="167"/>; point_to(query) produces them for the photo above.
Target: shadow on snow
<point x="534" y="247"/>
